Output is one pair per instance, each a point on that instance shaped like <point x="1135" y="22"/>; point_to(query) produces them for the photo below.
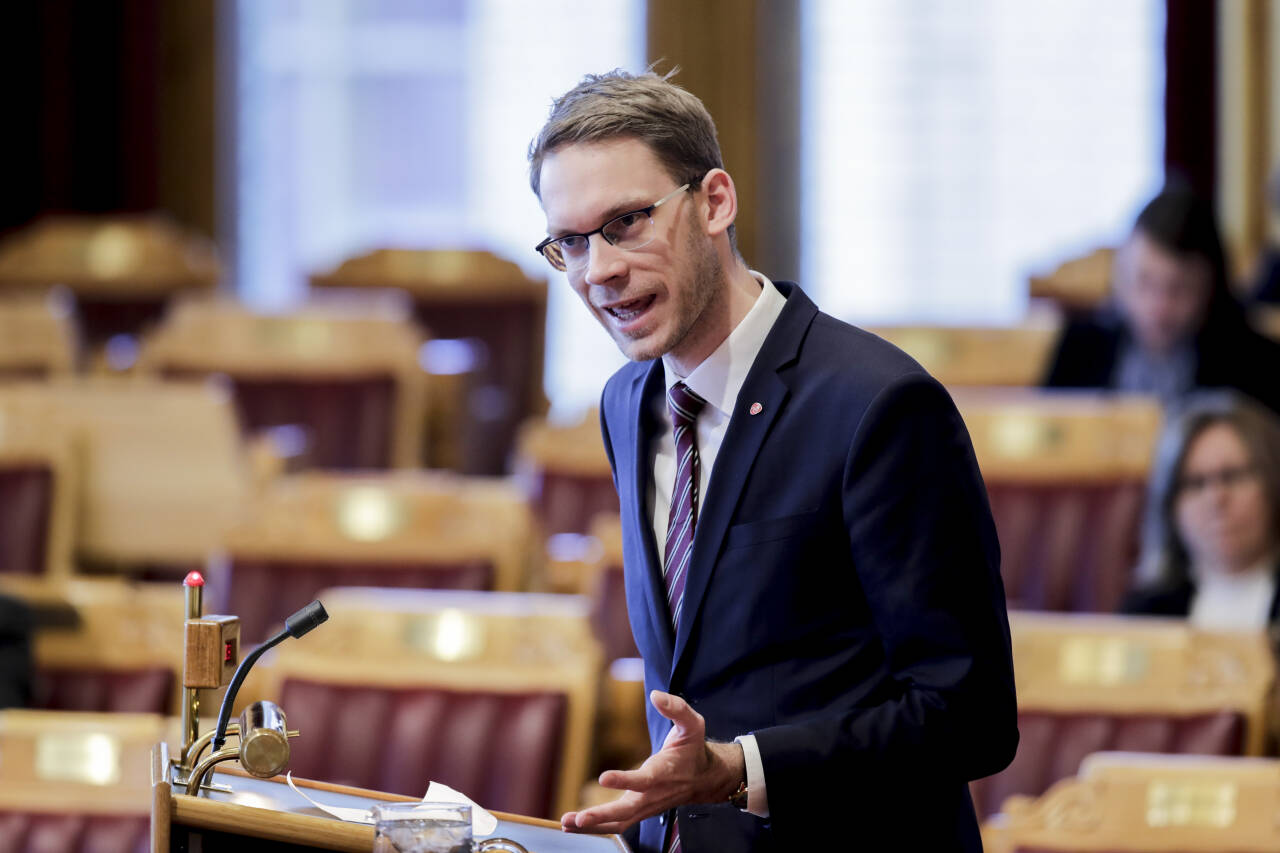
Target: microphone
<point x="295" y="626"/>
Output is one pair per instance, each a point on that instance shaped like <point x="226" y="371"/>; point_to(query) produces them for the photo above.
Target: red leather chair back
<point x="147" y="690"/>
<point x="501" y="749"/>
<point x="1067" y="547"/>
<point x="1052" y="745"/>
<point x="26" y="499"/>
<point x="609" y="615"/>
<point x="71" y="833"/>
<point x="263" y="592"/>
<point x="567" y="503"/>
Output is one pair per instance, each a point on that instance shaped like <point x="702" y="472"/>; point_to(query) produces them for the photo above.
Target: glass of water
<point x="430" y="828"/>
<point x="422" y="828"/>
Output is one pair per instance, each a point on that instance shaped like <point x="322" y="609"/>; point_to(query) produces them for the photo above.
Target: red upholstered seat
<point x="609" y="615"/>
<point x="263" y="592"/>
<point x="71" y="833"/>
<point x="1067" y="546"/>
<point x="26" y="499"/>
<point x="1052" y="745"/>
<point x="501" y="749"/>
<point x="567" y="501"/>
<point x="146" y="690"/>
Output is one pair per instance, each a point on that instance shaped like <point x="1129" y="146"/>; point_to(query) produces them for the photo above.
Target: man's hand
<point x="686" y="770"/>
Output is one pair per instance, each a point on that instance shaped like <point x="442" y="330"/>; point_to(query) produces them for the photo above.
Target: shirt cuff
<point x="757" y="796"/>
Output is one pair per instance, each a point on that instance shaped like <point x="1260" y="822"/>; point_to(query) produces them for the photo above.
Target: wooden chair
<point x="38" y="490"/>
<point x="161" y="470"/>
<point x="1066" y="476"/>
<point x="37" y="338"/>
<point x="346" y="371"/>
<point x="1078" y="284"/>
<point x="961" y="356"/>
<point x="122" y="269"/>
<point x="398" y="529"/>
<point x="75" y="782"/>
<point x="477" y="297"/>
<point x="567" y="473"/>
<point x="118" y="647"/>
<point x="493" y="694"/>
<point x="1092" y="683"/>
<point x="1130" y="803"/>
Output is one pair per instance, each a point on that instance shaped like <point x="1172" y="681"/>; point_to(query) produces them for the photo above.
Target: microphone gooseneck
<point x="295" y="626"/>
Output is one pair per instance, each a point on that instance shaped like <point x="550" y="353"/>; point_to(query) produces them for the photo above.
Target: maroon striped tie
<point x="684" y="405"/>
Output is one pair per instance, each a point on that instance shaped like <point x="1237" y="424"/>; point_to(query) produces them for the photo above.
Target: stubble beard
<point x="706" y="282"/>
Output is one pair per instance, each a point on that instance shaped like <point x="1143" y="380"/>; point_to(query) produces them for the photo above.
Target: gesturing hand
<point x="686" y="770"/>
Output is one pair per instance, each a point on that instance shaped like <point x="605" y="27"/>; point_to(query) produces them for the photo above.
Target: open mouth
<point x="627" y="311"/>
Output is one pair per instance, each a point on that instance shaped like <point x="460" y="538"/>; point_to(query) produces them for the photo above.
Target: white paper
<point x="482" y="822"/>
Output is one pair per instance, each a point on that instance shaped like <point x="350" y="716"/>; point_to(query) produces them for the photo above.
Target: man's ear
<point x="721" y="201"/>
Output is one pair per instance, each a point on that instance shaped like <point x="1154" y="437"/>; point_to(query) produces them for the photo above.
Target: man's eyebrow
<point x="611" y="213"/>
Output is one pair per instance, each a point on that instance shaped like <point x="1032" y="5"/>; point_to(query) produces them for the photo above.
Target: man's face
<point x="653" y="299"/>
<point x="1162" y="296"/>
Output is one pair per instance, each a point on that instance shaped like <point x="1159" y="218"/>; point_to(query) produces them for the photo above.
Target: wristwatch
<point x="738" y="799"/>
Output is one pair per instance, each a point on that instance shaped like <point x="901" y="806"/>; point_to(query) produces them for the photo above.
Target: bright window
<point x="952" y="148"/>
<point x="368" y="123"/>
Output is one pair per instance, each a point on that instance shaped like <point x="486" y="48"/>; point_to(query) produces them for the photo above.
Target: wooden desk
<point x="266" y="811"/>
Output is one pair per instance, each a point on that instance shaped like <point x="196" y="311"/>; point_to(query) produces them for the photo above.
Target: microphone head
<point x="305" y="619"/>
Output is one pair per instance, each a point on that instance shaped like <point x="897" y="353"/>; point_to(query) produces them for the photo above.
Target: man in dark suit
<point x="812" y="572"/>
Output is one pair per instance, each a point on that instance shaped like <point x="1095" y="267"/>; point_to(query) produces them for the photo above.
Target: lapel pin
<point x="756" y="408"/>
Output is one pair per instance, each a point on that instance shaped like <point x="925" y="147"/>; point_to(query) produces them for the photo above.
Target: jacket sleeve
<point x="924" y="548"/>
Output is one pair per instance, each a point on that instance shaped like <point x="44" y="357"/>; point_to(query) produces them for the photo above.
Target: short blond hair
<point x="672" y="122"/>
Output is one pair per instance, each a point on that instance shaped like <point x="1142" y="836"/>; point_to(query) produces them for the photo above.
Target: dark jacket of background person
<point x="1229" y="354"/>
<point x="1227" y="351"/>
<point x="15" y="654"/>
<point x="1165" y="578"/>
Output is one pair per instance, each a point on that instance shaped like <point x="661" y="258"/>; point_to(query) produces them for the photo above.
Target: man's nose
<point x="604" y="260"/>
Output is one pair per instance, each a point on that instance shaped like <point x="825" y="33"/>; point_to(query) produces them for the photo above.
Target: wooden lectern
<point x="266" y="814"/>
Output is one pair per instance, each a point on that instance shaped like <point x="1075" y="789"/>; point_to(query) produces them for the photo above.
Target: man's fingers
<point x="598" y="829"/>
<point x="676" y="710"/>
<point x="626" y="780"/>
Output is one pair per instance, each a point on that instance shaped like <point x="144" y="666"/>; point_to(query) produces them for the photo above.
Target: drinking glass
<point x="429" y="828"/>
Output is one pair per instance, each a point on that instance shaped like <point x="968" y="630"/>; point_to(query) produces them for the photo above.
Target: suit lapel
<point x="646" y="390"/>
<point x="742" y="442"/>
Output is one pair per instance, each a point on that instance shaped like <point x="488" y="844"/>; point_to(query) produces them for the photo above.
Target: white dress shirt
<point x="718" y="379"/>
<point x="1237" y="601"/>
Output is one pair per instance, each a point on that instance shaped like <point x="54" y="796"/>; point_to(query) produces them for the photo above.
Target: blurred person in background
<point x="15" y="654"/>
<point x="1173" y="325"/>
<point x="1211" y="546"/>
<point x="1267" y="284"/>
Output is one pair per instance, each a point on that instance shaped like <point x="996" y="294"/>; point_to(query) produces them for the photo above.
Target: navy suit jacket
<point x="843" y="601"/>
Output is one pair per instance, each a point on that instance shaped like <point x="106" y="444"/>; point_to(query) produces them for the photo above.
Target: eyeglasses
<point x="630" y="231"/>
<point x="1194" y="484"/>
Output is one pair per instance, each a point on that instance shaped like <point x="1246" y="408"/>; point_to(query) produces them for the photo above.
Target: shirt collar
<point x="720" y="376"/>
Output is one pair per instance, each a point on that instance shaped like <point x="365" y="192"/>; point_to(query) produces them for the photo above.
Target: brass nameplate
<point x="1022" y="436"/>
<point x="91" y="759"/>
<point x="450" y="635"/>
<point x="1209" y="805"/>
<point x="1101" y="661"/>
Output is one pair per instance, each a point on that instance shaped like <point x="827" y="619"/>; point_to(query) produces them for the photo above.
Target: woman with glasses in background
<point x="1211" y="549"/>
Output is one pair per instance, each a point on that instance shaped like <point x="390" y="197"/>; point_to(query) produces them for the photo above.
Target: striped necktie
<point x="684" y="405"/>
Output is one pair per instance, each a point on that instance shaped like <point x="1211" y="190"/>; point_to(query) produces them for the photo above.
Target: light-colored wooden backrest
<point x="1148" y="803"/>
<point x="571" y="448"/>
<point x="338" y="335"/>
<point x="1134" y="665"/>
<point x="1077" y="283"/>
<point x="502" y="642"/>
<point x="1267" y="321"/>
<point x="1032" y="435"/>
<point x="407" y="516"/>
<point x="36" y="333"/>
<point x="76" y="762"/>
<point x="442" y="275"/>
<point x="115" y="255"/>
<point x="162" y="470"/>
<point x="32" y="433"/>
<point x="962" y="356"/>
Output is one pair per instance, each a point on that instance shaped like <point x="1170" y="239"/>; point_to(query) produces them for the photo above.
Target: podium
<point x="267" y="814"/>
